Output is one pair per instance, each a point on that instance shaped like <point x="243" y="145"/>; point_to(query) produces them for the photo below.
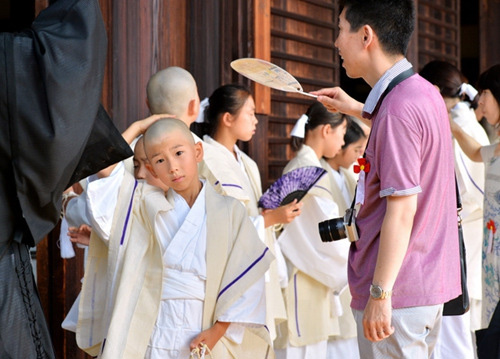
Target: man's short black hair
<point x="392" y="20"/>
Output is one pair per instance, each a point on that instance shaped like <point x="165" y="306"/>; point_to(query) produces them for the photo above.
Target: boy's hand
<point x="284" y="214"/>
<point x="211" y="336"/>
<point x="80" y="235"/>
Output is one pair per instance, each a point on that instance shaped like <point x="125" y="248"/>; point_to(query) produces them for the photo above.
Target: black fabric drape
<point x="53" y="130"/>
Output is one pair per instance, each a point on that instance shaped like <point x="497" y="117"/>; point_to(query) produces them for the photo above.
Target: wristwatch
<point x="377" y="292"/>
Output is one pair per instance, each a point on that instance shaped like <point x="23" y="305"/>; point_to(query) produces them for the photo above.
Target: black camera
<point x="339" y="228"/>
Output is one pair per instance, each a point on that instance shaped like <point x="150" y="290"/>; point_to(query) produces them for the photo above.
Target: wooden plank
<point x="301" y="18"/>
<point x="262" y="50"/>
<point x="302" y="39"/>
<point x="285" y="56"/>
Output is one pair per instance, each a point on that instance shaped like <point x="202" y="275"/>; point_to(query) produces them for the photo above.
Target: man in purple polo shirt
<point x="406" y="262"/>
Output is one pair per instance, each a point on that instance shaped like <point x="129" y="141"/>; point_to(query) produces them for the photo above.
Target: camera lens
<point x="332" y="229"/>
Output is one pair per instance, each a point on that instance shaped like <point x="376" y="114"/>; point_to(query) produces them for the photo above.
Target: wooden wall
<point x="204" y="36"/>
<point x="302" y="42"/>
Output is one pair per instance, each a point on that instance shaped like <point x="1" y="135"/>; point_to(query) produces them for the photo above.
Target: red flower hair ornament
<point x="491" y="226"/>
<point x="362" y="166"/>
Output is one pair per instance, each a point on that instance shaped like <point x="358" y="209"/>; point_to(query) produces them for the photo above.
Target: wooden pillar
<point x="147" y="35"/>
<point x="259" y="147"/>
<point x="489" y="28"/>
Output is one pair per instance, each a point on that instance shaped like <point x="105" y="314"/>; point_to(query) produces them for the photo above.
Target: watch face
<point x="376" y="291"/>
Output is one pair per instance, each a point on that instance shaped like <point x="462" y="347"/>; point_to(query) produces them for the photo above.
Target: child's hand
<point x="80" y="235"/>
<point x="211" y="336"/>
<point x="284" y="214"/>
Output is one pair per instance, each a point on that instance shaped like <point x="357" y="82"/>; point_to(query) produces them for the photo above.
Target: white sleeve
<point x="258" y="222"/>
<point x="302" y="246"/>
<point x="77" y="211"/>
<point x="102" y="197"/>
<point x="247" y="311"/>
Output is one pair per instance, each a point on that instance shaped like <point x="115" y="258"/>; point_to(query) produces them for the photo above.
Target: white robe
<point x="240" y="178"/>
<point x="318" y="271"/>
<point x="182" y="240"/>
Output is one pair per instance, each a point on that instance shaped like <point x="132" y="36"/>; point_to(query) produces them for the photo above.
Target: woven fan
<point x="292" y="185"/>
<point x="268" y="74"/>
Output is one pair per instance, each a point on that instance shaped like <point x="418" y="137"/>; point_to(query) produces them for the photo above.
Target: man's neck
<point x="380" y="66"/>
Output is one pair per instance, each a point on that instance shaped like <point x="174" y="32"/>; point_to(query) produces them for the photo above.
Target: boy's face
<point x="174" y="159"/>
<point x="349" y="45"/>
<point x="140" y="170"/>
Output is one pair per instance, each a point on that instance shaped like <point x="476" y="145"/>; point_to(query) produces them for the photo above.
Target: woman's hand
<point x="284" y="214"/>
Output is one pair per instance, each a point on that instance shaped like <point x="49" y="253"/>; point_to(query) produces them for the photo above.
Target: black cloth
<point x="488" y="340"/>
<point x="53" y="133"/>
<point x="50" y="84"/>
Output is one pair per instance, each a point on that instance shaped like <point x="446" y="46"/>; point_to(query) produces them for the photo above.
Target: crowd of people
<point x="183" y="263"/>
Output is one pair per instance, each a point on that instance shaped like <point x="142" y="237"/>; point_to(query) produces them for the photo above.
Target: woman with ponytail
<point x="318" y="271"/>
<point x="230" y="117"/>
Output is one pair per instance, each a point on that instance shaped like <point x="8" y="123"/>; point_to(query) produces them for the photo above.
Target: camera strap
<point x="395" y="81"/>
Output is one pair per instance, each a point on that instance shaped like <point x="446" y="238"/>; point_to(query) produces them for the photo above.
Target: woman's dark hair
<point x="318" y="115"/>
<point x="228" y="98"/>
<point x="392" y="20"/>
<point x="490" y="80"/>
<point x="353" y="132"/>
<point x="448" y="78"/>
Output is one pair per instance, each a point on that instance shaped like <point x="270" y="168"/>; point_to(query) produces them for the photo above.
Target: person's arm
<point x="467" y="143"/>
<point x="394" y="240"/>
<point x="130" y="134"/>
<point x="211" y="336"/>
<point x="336" y="100"/>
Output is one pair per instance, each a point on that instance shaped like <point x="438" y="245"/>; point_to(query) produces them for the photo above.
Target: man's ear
<point x="368" y="35"/>
<point x="151" y="169"/>
<point x="147" y="104"/>
<point x="198" y="151"/>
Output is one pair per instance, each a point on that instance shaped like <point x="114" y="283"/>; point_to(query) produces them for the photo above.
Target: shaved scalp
<point x="156" y="132"/>
<point x="170" y="90"/>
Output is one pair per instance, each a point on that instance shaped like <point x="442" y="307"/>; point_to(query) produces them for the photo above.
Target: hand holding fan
<point x="268" y="74"/>
<point x="292" y="185"/>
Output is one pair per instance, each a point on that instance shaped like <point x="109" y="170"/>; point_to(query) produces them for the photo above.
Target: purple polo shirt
<point x="410" y="152"/>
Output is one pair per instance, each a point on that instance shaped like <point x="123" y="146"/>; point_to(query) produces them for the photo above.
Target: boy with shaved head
<point x="173" y="90"/>
<point x="193" y="275"/>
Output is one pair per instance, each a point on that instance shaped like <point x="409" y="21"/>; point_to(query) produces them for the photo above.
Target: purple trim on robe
<point x="128" y="214"/>
<point x="244" y="272"/>
<point x="323" y="188"/>
<point x="470" y="177"/>
<point x="296" y="304"/>
<point x="231" y="185"/>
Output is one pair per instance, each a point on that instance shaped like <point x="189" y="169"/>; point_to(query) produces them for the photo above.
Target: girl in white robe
<point x="318" y="271"/>
<point x="230" y="117"/>
<point x="343" y="178"/>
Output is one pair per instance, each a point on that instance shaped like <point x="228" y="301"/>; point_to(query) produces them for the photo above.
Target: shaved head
<point x="170" y="91"/>
<point x="163" y="127"/>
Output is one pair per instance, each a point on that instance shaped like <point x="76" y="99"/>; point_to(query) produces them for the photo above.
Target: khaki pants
<point x="415" y="333"/>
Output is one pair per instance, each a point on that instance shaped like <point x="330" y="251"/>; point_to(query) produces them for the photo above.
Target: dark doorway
<point x="16" y="15"/>
<point x="469" y="31"/>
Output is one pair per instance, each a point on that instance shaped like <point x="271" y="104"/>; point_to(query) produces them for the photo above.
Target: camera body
<point x="339" y="228"/>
